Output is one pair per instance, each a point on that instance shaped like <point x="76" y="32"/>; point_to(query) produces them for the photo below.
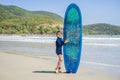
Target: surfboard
<point x="72" y="31"/>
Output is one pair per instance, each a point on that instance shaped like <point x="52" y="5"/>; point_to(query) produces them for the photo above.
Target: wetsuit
<point x="59" y="43"/>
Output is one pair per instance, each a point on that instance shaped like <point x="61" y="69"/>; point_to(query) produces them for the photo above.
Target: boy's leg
<point x="60" y="59"/>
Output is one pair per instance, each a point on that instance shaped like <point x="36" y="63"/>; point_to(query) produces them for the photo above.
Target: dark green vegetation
<point x="101" y="29"/>
<point x="15" y="20"/>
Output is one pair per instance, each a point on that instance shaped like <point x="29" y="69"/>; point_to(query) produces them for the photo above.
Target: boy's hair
<point x="58" y="32"/>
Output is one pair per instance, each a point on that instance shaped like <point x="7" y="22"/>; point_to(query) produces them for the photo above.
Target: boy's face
<point x="59" y="34"/>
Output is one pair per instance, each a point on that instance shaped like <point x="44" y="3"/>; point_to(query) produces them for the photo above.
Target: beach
<point x="34" y="58"/>
<point x="19" y="67"/>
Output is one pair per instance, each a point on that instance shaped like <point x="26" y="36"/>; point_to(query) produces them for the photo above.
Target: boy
<point x="59" y="44"/>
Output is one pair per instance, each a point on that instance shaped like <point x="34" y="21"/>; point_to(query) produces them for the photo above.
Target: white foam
<point x="101" y="44"/>
<point x="28" y="39"/>
<point x="51" y="39"/>
<point x="100" y="38"/>
<point x="101" y="64"/>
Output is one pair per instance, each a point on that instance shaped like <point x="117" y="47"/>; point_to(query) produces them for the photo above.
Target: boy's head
<point x="59" y="34"/>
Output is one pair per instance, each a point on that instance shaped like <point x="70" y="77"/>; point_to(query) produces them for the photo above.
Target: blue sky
<point x="93" y="11"/>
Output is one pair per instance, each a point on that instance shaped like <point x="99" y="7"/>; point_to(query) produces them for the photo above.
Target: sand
<point x="21" y="67"/>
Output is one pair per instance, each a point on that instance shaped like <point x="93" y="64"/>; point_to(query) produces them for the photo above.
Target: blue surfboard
<point x="72" y="31"/>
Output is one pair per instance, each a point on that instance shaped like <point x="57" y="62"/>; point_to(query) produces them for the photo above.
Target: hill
<point x="50" y="14"/>
<point x="101" y="29"/>
<point x="15" y="20"/>
<point x="10" y="12"/>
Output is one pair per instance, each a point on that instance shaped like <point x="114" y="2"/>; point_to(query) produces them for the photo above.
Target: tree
<point x="41" y="29"/>
<point x="48" y="29"/>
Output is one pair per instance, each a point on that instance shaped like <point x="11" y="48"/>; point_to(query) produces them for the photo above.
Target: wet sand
<point x="21" y="67"/>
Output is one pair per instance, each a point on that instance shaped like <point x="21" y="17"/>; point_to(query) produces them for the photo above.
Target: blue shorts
<point x="59" y="53"/>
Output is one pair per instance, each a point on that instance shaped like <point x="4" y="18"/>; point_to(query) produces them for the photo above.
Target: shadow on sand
<point x="43" y="71"/>
<point x="53" y="72"/>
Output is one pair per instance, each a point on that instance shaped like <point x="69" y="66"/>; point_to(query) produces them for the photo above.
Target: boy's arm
<point x="66" y="41"/>
<point x="61" y="42"/>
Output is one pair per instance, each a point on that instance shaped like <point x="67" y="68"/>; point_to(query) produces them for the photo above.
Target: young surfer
<point x="59" y="44"/>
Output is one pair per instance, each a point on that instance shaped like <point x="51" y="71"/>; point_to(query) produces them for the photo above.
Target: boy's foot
<point x="59" y="70"/>
<point x="56" y="70"/>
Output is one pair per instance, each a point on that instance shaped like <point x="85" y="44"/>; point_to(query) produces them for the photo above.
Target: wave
<point x="101" y="44"/>
<point x="101" y="38"/>
<point x="28" y="39"/>
<point x="101" y="64"/>
<point x="51" y="39"/>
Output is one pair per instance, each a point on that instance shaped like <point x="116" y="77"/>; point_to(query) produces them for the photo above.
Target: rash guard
<point x="59" y="43"/>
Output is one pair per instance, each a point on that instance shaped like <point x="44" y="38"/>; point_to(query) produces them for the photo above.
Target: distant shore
<point x="84" y="35"/>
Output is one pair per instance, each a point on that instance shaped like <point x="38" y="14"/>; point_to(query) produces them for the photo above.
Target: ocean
<point x="98" y="52"/>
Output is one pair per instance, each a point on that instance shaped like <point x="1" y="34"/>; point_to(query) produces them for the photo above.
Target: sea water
<point x="98" y="52"/>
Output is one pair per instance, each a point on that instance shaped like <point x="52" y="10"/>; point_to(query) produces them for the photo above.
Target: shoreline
<point x="22" y="67"/>
<point x="88" y="40"/>
<point x="93" y="55"/>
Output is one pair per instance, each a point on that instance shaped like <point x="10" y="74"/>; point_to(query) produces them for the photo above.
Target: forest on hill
<point x="15" y="20"/>
<point x="101" y="29"/>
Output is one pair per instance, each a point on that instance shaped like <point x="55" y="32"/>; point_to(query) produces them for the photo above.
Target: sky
<point x="93" y="11"/>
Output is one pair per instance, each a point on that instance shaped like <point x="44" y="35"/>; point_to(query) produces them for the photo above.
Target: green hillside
<point x="101" y="29"/>
<point x="10" y="12"/>
<point x="15" y="20"/>
<point x="42" y="17"/>
<point x="50" y="14"/>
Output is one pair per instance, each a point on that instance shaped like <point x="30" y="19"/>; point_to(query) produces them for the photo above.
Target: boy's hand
<point x="66" y="41"/>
